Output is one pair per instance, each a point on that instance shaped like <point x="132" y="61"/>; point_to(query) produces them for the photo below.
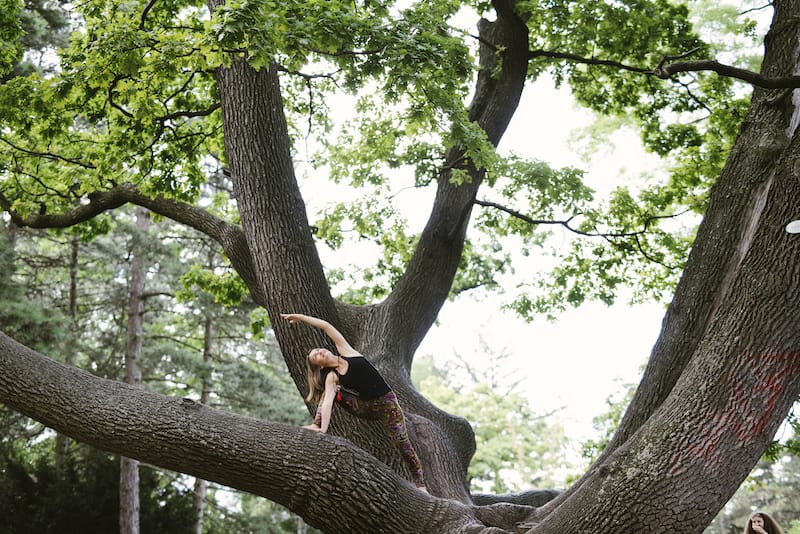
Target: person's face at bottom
<point x="758" y="521"/>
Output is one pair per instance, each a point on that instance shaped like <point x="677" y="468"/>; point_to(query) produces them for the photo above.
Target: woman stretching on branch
<point x="351" y="380"/>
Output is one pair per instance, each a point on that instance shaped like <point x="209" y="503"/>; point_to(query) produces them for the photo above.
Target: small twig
<point x="533" y="54"/>
<point x="666" y="59"/>
<point x="306" y="76"/>
<point x="114" y="105"/>
<point x="484" y="42"/>
<point x="189" y="114"/>
<point x="693" y="97"/>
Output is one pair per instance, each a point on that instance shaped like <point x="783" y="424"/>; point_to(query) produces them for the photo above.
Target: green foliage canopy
<point x="133" y="99"/>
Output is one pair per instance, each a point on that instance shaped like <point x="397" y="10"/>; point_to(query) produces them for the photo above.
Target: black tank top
<point x="362" y="379"/>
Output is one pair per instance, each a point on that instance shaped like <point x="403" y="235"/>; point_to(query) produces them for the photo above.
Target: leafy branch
<point x="48" y="155"/>
<point x="229" y="236"/>
<point x="666" y="69"/>
<point x="608" y="236"/>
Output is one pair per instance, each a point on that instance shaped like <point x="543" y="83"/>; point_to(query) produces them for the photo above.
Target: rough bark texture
<point x="725" y="234"/>
<point x="308" y="473"/>
<point x="691" y="429"/>
<point x="62" y="442"/>
<point x="283" y="255"/>
<point x="720" y="379"/>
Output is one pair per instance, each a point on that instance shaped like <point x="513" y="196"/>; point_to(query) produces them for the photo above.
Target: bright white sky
<point x="572" y="365"/>
<point x="576" y="363"/>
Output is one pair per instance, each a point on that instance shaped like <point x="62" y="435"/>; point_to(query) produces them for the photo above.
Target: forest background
<point x="206" y="340"/>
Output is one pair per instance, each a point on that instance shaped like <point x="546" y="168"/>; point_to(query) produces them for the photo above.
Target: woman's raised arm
<point x="344" y="348"/>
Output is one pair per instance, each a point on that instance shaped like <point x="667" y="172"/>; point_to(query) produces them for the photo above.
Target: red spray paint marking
<point x="756" y="384"/>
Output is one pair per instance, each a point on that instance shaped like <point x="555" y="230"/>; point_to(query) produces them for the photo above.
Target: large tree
<point x="135" y="116"/>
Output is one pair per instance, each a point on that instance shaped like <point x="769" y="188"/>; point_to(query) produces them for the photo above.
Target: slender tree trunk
<point x="200" y="490"/>
<point x="200" y="485"/>
<point x="62" y="441"/>
<point x="129" y="468"/>
<point x="11" y="232"/>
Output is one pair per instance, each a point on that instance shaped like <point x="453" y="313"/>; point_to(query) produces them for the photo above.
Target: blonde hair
<point x="316" y="386"/>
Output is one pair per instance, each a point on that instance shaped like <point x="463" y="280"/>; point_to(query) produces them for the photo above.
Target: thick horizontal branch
<point x="309" y="473"/>
<point x="102" y="201"/>
<point x="98" y="203"/>
<point x="530" y="498"/>
<point x="753" y="78"/>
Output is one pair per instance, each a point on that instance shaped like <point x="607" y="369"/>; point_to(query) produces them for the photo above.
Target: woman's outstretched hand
<point x="293" y="318"/>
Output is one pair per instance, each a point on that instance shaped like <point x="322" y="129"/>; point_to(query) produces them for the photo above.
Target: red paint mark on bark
<point x="756" y="383"/>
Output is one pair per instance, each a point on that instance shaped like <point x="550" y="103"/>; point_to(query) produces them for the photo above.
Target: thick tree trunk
<point x="284" y="256"/>
<point x="685" y="462"/>
<point x="724" y="235"/>
<point x="720" y="380"/>
<point x="711" y="397"/>
<point x="279" y="238"/>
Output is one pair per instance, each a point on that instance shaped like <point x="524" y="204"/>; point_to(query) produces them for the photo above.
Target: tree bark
<point x="62" y="442"/>
<point x="724" y="235"/>
<point x="720" y="380"/>
<point x="129" y="467"/>
<point x="200" y="485"/>
<point x="741" y="250"/>
<point x="308" y="473"/>
<point x="704" y="439"/>
<point x="284" y="256"/>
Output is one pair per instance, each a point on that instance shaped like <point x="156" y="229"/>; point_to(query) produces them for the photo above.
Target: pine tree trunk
<point x="62" y="441"/>
<point x="129" y="468"/>
<point x="200" y="485"/>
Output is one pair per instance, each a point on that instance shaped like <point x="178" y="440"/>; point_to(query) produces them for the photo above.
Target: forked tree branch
<point x="753" y="78"/>
<point x="666" y="69"/>
<point x="611" y="237"/>
<point x="566" y="222"/>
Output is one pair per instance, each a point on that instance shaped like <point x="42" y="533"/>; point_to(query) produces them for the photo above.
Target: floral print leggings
<point x="387" y="410"/>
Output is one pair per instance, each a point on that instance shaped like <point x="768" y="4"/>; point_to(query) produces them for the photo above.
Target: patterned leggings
<point x="387" y="410"/>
